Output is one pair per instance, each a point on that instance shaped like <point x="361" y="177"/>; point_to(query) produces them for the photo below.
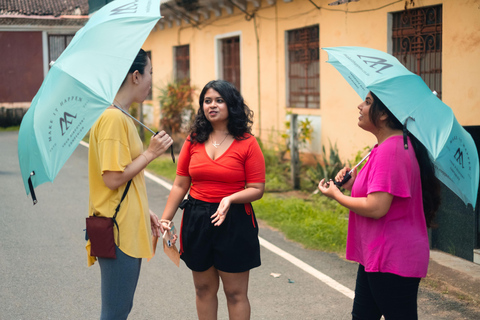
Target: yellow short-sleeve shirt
<point x="114" y="143"/>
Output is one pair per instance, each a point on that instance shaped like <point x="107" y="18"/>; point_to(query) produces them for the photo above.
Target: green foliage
<point x="328" y="167"/>
<point x="277" y="173"/>
<point x="320" y="224"/>
<point x="359" y="156"/>
<point x="305" y="131"/>
<point x="12" y="128"/>
<point x="176" y="106"/>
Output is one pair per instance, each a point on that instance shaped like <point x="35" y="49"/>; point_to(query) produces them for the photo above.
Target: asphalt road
<point x="44" y="274"/>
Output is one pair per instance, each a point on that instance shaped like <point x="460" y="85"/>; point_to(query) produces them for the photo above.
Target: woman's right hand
<point x="165" y="226"/>
<point x="341" y="174"/>
<point x="159" y="143"/>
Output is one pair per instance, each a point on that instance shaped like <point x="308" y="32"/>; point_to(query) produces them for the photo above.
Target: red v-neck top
<point x="212" y="180"/>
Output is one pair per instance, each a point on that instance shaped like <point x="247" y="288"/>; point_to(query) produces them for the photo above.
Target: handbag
<point x="100" y="232"/>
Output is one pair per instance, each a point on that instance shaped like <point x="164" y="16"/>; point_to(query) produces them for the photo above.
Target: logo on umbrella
<point x="64" y="122"/>
<point x="374" y="61"/>
<point x="461" y="153"/>
<point x="130" y="8"/>
<point x="459" y="157"/>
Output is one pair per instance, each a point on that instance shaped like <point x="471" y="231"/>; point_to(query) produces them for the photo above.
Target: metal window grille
<point x="56" y="45"/>
<point x="182" y="62"/>
<point x="231" y="60"/>
<point x="304" y="68"/>
<point x="417" y="43"/>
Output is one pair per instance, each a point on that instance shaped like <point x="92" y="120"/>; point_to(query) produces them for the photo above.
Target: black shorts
<point x="231" y="247"/>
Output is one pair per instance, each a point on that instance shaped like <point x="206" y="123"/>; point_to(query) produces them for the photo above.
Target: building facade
<point x="271" y="50"/>
<point x="32" y="34"/>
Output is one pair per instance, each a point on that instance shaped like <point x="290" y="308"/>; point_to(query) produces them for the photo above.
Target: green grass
<point x="14" y="128"/>
<point x="164" y="166"/>
<point x="319" y="224"/>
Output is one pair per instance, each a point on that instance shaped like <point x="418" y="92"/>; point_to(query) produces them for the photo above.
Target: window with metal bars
<point x="303" y="68"/>
<point x="56" y="44"/>
<point x="417" y="43"/>
<point x="231" y="61"/>
<point x="182" y="62"/>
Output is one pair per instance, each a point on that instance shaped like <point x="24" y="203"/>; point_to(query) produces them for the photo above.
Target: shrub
<point x="176" y="109"/>
<point x="327" y="168"/>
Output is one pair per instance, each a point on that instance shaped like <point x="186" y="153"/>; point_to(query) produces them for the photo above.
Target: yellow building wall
<point x="363" y="23"/>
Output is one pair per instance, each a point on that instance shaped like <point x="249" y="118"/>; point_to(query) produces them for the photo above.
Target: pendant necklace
<point x="216" y="145"/>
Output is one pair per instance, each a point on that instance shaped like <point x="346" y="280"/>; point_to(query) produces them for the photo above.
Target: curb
<point x="456" y="276"/>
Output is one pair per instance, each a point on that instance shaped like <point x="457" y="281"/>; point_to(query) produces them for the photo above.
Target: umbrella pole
<point x="154" y="134"/>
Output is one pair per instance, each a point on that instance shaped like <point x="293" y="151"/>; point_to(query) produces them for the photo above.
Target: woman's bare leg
<point x="235" y="286"/>
<point x="206" y="288"/>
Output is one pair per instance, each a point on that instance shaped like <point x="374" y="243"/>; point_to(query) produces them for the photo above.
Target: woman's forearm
<point x="375" y="205"/>
<point x="251" y="193"/>
<point x="177" y="194"/>
<point x="114" y="179"/>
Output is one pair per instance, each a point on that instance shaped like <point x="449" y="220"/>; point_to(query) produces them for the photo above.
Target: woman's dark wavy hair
<point x="240" y="117"/>
<point x="140" y="62"/>
<point x="430" y="184"/>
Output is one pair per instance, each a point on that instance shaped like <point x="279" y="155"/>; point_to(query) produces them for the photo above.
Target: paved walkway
<point x="459" y="277"/>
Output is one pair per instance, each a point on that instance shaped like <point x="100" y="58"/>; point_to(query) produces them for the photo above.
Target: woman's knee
<point x="235" y="295"/>
<point x="206" y="283"/>
<point x="205" y="290"/>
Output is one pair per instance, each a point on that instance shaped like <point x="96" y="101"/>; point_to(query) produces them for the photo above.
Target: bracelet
<point x="142" y="154"/>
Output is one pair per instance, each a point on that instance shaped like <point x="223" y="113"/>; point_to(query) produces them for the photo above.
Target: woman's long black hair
<point x="240" y="117"/>
<point x="430" y="184"/>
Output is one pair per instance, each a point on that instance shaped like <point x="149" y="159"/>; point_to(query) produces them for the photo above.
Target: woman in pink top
<point x="393" y="202"/>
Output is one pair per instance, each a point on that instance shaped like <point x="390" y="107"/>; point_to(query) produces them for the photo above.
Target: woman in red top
<point x="222" y="165"/>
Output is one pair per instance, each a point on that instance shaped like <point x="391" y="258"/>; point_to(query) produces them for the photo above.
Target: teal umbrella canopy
<point x="431" y="121"/>
<point x="81" y="84"/>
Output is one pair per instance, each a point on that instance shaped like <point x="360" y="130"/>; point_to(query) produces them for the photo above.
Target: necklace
<point x="216" y="145"/>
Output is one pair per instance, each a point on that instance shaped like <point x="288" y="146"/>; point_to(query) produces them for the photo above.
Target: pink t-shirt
<point x="398" y="242"/>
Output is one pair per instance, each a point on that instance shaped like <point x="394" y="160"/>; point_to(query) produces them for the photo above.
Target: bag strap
<point x="118" y="208"/>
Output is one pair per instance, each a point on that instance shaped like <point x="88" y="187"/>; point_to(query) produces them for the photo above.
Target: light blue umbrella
<point x="81" y="84"/>
<point x="406" y="95"/>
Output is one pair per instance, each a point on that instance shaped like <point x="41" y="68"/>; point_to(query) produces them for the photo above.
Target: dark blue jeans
<point x="119" y="281"/>
<point x="386" y="294"/>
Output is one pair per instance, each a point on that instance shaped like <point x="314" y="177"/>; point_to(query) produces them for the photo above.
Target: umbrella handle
<point x="32" y="190"/>
<point x="344" y="180"/>
<point x="171" y="149"/>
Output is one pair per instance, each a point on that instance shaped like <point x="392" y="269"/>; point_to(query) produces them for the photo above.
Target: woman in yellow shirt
<point x="116" y="156"/>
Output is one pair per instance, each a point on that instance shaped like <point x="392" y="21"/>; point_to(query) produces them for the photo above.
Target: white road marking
<point x="307" y="268"/>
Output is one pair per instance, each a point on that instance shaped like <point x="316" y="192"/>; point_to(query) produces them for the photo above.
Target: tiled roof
<point x="39" y="23"/>
<point x="44" y="7"/>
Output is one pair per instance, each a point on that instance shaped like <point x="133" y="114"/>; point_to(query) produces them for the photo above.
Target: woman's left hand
<point x="329" y="189"/>
<point x="155" y="224"/>
<point x="219" y="215"/>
